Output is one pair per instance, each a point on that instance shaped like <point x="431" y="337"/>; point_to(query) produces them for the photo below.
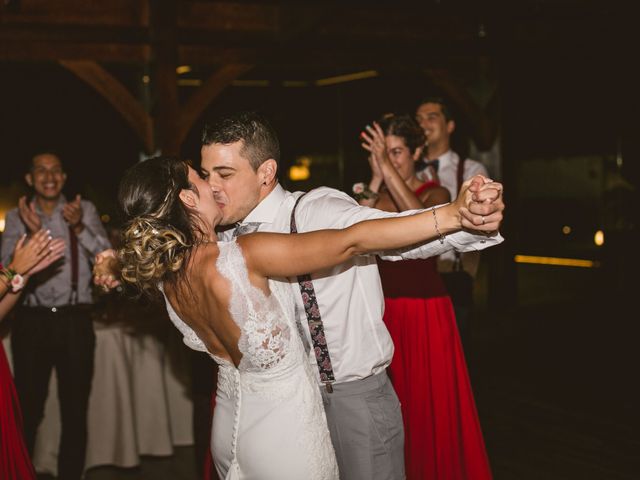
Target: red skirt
<point x="443" y="439"/>
<point x="14" y="458"/>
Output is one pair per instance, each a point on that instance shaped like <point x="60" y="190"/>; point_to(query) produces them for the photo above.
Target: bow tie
<point x="421" y="166"/>
<point x="432" y="163"/>
<point x="246" y="227"/>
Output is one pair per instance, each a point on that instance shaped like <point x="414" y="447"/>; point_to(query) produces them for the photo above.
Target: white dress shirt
<point x="448" y="175"/>
<point x="350" y="295"/>
<point x="448" y="171"/>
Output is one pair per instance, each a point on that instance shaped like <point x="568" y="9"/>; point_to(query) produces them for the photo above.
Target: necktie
<point x="245" y="227"/>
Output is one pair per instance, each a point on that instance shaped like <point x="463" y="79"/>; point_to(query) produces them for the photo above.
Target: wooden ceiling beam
<point x="76" y="12"/>
<point x="118" y="96"/>
<point x="205" y="94"/>
<point x="43" y="51"/>
<point x="74" y="33"/>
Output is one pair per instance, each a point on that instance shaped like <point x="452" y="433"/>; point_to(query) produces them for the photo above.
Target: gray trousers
<point x="366" y="429"/>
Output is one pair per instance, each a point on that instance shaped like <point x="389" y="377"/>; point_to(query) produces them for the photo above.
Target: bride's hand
<point x="105" y="270"/>
<point x="480" y="204"/>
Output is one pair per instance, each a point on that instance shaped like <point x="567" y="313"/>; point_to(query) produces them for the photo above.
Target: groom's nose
<point x="214" y="183"/>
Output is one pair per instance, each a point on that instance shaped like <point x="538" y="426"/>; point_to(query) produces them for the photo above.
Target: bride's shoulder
<point x="203" y="259"/>
<point x="209" y="265"/>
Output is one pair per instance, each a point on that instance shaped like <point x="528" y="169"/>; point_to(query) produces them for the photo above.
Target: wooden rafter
<point x="117" y="95"/>
<point x="209" y="90"/>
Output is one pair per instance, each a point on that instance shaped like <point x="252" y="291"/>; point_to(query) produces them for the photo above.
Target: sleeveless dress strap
<point x="426" y="186"/>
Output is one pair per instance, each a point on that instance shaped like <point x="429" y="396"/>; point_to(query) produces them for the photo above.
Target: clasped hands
<point x="481" y="205"/>
<point x="105" y="270"/>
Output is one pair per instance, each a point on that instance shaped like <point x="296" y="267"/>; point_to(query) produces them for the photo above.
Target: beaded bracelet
<point x="435" y="220"/>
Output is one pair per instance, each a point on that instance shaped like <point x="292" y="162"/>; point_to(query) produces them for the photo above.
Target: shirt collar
<point x="61" y="201"/>
<point x="267" y="209"/>
<point x="448" y="157"/>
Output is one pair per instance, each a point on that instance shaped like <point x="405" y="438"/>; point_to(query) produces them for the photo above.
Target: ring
<point x="483" y="220"/>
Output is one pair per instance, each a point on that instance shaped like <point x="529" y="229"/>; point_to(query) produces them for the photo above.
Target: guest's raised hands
<point x="38" y="253"/>
<point x="373" y="141"/>
<point x="28" y="214"/>
<point x="72" y="213"/>
<point x="376" y="172"/>
<point x="56" y="252"/>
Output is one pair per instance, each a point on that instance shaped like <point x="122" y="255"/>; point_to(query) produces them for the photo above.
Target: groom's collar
<point x="267" y="209"/>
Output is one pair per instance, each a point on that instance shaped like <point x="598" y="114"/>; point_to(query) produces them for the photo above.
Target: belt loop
<point x="328" y="386"/>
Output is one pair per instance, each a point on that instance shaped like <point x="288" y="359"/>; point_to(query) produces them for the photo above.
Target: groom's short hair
<point x="260" y="142"/>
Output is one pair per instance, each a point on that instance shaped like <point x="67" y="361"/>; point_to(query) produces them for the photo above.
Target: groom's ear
<point x="188" y="198"/>
<point x="267" y="171"/>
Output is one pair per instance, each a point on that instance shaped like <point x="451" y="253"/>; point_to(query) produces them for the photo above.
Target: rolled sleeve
<point x="329" y="208"/>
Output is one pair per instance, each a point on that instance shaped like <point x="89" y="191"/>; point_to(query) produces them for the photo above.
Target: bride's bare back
<point x="204" y="304"/>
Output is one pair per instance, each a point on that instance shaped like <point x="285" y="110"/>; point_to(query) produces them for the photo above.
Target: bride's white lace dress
<point x="269" y="422"/>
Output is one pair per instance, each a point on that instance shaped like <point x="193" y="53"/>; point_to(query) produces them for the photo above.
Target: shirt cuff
<point x="464" y="241"/>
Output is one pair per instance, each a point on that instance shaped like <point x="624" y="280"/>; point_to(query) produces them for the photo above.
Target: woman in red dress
<point x="443" y="439"/>
<point x="28" y="259"/>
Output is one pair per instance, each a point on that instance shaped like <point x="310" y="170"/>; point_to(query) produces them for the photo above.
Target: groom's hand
<point x="105" y="270"/>
<point x="484" y="212"/>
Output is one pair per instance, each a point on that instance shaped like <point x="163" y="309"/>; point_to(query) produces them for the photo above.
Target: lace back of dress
<point x="265" y="335"/>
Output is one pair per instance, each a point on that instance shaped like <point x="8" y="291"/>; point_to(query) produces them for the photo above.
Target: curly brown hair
<point x="406" y="127"/>
<point x="160" y="232"/>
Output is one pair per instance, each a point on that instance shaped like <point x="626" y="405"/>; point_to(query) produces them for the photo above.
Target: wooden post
<point x="164" y="80"/>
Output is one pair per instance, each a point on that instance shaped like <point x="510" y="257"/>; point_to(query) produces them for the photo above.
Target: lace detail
<point x="274" y="377"/>
<point x="265" y="337"/>
<point x="275" y="366"/>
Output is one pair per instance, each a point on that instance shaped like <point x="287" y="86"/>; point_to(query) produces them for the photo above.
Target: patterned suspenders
<point x="314" y="320"/>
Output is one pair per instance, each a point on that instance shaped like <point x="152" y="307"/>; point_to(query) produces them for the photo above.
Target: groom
<point x="351" y="347"/>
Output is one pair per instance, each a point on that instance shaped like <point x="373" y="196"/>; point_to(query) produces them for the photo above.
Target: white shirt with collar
<point x="350" y="295"/>
<point x="448" y="175"/>
<point x="448" y="171"/>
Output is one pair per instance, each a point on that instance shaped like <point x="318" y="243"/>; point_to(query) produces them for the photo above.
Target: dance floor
<point x="555" y="384"/>
<point x="557" y="396"/>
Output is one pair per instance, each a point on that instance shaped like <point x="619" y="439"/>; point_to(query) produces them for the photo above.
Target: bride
<point x="269" y="421"/>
